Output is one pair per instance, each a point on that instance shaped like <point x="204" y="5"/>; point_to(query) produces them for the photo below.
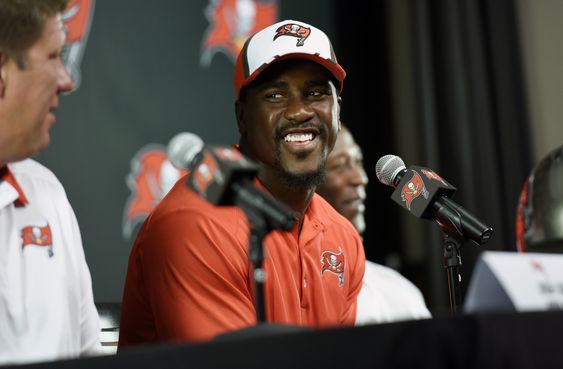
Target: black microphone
<point x="223" y="176"/>
<point x="426" y="195"/>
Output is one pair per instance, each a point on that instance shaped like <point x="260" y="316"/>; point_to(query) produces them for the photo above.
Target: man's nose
<point x="298" y="110"/>
<point x="358" y="175"/>
<point x="65" y="82"/>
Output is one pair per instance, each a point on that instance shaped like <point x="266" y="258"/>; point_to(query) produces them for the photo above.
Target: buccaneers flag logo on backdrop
<point x="231" y="22"/>
<point x="152" y="176"/>
<point x="77" y="18"/>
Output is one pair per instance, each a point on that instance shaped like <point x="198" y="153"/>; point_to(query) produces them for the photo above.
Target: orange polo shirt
<point x="189" y="276"/>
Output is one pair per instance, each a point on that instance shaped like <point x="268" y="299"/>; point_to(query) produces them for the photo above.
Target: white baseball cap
<point x="287" y="39"/>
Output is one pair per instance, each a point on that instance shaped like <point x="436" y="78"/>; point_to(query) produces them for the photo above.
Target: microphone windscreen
<point x="387" y="168"/>
<point x="183" y="148"/>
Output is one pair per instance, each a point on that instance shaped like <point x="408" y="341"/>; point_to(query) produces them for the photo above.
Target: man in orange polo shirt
<point x="189" y="278"/>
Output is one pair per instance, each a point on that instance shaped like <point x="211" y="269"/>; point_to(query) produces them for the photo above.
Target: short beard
<point x="303" y="181"/>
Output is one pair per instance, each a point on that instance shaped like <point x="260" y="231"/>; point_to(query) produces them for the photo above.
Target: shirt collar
<point x="10" y="190"/>
<point x="312" y="216"/>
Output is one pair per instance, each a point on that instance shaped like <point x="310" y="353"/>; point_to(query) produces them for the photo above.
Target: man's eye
<point x="273" y="95"/>
<point x="318" y="92"/>
<point x="56" y="55"/>
<point x="339" y="165"/>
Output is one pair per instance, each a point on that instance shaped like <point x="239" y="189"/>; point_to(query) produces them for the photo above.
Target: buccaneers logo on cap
<point x="231" y="22"/>
<point x="413" y="189"/>
<point x="333" y="262"/>
<point x="38" y="236"/>
<point x="152" y="176"/>
<point x="294" y="30"/>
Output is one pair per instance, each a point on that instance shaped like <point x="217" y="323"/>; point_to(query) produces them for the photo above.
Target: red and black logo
<point x="335" y="263"/>
<point x="294" y="30"/>
<point x="433" y="175"/>
<point x="77" y="19"/>
<point x="231" y="22"/>
<point x="151" y="177"/>
<point x="413" y="189"/>
<point x="205" y="173"/>
<point x="38" y="236"/>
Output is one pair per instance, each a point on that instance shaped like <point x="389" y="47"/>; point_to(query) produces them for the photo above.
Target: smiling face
<point x="285" y="119"/>
<point x="344" y="185"/>
<point x="29" y="94"/>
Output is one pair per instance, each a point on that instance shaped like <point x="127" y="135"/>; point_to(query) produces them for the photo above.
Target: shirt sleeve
<point x="89" y="318"/>
<point x="195" y="271"/>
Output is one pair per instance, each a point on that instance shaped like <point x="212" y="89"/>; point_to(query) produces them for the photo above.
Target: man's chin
<point x="359" y="223"/>
<point x="303" y="181"/>
<point x="41" y="146"/>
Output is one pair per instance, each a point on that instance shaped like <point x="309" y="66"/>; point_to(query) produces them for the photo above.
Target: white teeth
<point x="298" y="137"/>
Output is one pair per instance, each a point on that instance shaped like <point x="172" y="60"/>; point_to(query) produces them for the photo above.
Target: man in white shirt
<point x="47" y="309"/>
<point x="386" y="295"/>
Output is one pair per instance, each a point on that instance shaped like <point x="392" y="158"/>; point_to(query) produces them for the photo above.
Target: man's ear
<point x="239" y="111"/>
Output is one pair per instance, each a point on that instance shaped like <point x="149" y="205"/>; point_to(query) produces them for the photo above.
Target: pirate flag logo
<point x="413" y="189"/>
<point x="433" y="175"/>
<point x="77" y="19"/>
<point x="334" y="263"/>
<point x="294" y="30"/>
<point x="205" y="173"/>
<point x="38" y="236"/>
<point x="152" y="176"/>
<point x="231" y="22"/>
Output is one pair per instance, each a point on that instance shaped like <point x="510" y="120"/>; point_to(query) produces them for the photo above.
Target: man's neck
<point x="296" y="199"/>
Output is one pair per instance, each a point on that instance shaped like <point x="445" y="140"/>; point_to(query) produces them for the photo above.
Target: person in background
<point x="189" y="276"/>
<point x="539" y="223"/>
<point x="386" y="295"/>
<point x="47" y="309"/>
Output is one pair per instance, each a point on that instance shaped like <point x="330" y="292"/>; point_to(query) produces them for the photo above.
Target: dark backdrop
<point x="438" y="83"/>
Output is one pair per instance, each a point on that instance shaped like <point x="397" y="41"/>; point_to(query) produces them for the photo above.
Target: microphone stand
<point x="259" y="228"/>
<point x="264" y="214"/>
<point x="449" y="219"/>
<point x="452" y="262"/>
<point x="261" y="223"/>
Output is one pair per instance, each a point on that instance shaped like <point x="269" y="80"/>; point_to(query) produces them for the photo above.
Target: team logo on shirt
<point x="334" y="263"/>
<point x="413" y="189"/>
<point x="38" y="236"/>
<point x="295" y="30"/>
